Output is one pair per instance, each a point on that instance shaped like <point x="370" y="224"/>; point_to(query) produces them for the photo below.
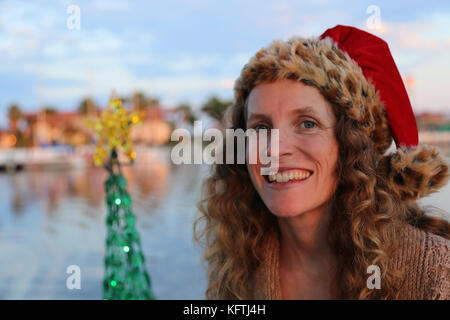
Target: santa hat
<point x="355" y="70"/>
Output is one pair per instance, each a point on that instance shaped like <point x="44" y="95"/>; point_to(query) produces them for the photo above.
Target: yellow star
<point x="113" y="131"/>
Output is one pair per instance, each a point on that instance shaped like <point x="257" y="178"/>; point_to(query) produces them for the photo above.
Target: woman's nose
<point x="284" y="141"/>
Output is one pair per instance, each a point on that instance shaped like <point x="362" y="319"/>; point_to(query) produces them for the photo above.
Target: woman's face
<point x="308" y="150"/>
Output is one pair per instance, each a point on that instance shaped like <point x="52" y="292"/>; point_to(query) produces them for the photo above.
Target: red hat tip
<point x="372" y="54"/>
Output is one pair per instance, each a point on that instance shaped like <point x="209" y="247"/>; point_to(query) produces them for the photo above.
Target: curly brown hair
<point x="369" y="204"/>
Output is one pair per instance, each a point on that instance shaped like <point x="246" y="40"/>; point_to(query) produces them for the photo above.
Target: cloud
<point x="429" y="34"/>
<point x="170" y="89"/>
<point x="191" y="63"/>
<point x="187" y="50"/>
<point x="431" y="91"/>
<point x="420" y="49"/>
<point x="107" y="6"/>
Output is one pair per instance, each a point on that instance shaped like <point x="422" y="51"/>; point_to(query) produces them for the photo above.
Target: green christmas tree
<point x="125" y="277"/>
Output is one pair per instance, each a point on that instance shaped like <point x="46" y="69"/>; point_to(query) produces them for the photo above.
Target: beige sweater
<point x="424" y="257"/>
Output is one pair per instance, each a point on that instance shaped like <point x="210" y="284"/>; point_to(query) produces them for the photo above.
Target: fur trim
<point x="320" y="63"/>
<point x="411" y="173"/>
<point x="414" y="173"/>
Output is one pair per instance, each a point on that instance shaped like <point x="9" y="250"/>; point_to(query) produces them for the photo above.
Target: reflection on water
<point x="148" y="179"/>
<point x="52" y="219"/>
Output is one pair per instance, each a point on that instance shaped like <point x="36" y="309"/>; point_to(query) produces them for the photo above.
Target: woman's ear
<point x="415" y="172"/>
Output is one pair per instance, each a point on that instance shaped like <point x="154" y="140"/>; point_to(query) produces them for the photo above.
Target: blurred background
<point x="176" y="62"/>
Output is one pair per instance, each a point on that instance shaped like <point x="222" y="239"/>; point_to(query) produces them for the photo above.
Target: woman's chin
<point x="285" y="211"/>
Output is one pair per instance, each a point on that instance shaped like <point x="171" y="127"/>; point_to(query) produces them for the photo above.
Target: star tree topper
<point x="113" y="130"/>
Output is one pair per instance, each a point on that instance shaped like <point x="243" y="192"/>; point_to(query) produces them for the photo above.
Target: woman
<point x="339" y="209"/>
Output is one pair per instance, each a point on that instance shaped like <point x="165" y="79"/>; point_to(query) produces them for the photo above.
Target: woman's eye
<point x="308" y="124"/>
<point x="261" y="126"/>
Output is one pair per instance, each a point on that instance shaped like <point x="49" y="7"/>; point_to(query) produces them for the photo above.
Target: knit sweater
<point x="423" y="256"/>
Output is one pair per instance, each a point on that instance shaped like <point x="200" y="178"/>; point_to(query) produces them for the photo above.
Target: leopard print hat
<point x="355" y="70"/>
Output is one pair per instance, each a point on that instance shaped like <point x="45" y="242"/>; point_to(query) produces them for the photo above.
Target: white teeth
<point x="289" y="175"/>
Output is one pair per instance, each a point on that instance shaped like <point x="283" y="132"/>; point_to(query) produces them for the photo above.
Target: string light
<point x="125" y="275"/>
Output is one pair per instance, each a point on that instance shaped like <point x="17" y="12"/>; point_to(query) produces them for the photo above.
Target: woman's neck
<point x="304" y="239"/>
<point x="307" y="265"/>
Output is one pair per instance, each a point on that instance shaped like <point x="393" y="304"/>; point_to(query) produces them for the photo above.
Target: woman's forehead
<point x="286" y="98"/>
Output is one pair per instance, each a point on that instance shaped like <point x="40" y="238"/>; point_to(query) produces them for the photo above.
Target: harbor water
<point x="52" y="219"/>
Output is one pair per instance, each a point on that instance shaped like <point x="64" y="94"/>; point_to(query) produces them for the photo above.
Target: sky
<point x="184" y="51"/>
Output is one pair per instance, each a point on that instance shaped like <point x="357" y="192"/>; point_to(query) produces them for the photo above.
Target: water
<point x="52" y="219"/>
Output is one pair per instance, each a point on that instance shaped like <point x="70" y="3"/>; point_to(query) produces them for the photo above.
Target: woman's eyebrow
<point x="259" y="116"/>
<point x="295" y="112"/>
<point x="302" y="110"/>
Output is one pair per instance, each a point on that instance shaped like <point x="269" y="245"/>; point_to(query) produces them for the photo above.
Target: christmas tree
<point x="125" y="277"/>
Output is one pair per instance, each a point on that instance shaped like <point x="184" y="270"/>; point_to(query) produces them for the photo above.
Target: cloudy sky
<point x="188" y="50"/>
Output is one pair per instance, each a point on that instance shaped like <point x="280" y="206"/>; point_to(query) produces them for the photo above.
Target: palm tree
<point x="14" y="115"/>
<point x="186" y="108"/>
<point x="87" y="106"/>
<point x="215" y="107"/>
<point x="48" y="111"/>
<point x="141" y="101"/>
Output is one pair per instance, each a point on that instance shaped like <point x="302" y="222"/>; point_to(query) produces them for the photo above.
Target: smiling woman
<point x="310" y="153"/>
<point x="311" y="150"/>
<point x="339" y="206"/>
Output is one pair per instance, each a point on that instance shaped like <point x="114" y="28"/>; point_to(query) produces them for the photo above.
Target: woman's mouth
<point x="287" y="177"/>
